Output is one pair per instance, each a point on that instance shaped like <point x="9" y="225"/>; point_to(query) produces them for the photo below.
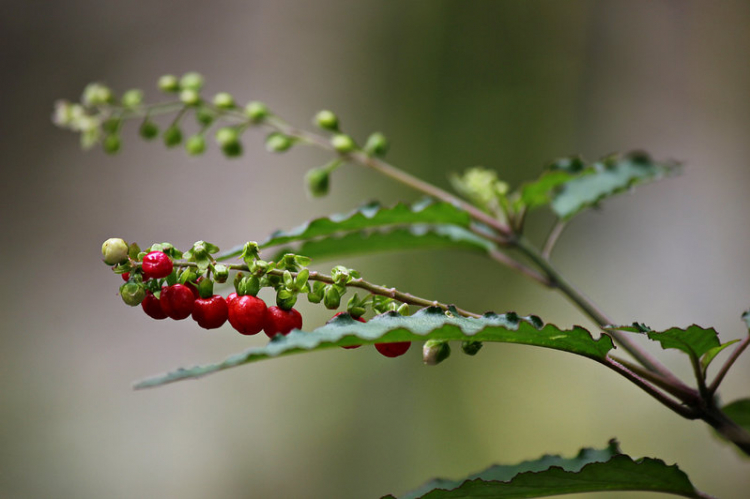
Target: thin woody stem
<point x="728" y="364"/>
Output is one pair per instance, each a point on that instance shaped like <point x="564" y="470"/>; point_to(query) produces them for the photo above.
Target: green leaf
<point x="428" y="323"/>
<point x="569" y="186"/>
<point x="711" y="354"/>
<point x="415" y="237"/>
<point x="610" y="176"/>
<point x="590" y="471"/>
<point x="739" y="412"/>
<point x="694" y="341"/>
<point x="372" y="215"/>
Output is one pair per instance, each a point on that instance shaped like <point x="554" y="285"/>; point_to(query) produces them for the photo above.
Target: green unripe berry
<point x="317" y="181"/>
<point x="168" y="83"/>
<point x="96" y="94"/>
<point x="132" y="98"/>
<point x="232" y="150"/>
<point x="278" y="142"/>
<point x="471" y="347"/>
<point x="192" y="80"/>
<point x="377" y="145"/>
<point x="172" y="136"/>
<point x="112" y="144"/>
<point x="435" y="351"/>
<point x="221" y="273"/>
<point x="224" y="100"/>
<point x="227" y="135"/>
<point x="132" y="293"/>
<point x="327" y="120"/>
<point x="195" y="145"/>
<point x="256" y="111"/>
<point x="114" y="251"/>
<point x="204" y="116"/>
<point x="190" y="97"/>
<point x="285" y="299"/>
<point x="331" y="298"/>
<point x="149" y="130"/>
<point x="111" y="125"/>
<point x="343" y="143"/>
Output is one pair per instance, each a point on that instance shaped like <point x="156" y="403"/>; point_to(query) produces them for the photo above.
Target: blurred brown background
<point x="508" y="85"/>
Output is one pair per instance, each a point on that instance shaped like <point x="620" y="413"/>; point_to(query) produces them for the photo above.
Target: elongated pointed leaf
<point x="415" y="237"/>
<point x="591" y="471"/>
<point x="426" y="211"/>
<point x="711" y="354"/>
<point x="739" y="412"/>
<point x="694" y="341"/>
<point x="611" y="176"/>
<point x="428" y="323"/>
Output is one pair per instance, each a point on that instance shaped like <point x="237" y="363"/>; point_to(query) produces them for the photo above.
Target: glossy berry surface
<point x="177" y="301"/>
<point x="280" y="321"/>
<point x="360" y="319"/>
<point x="156" y="265"/>
<point x="393" y="349"/>
<point x="210" y="313"/>
<point x="247" y="314"/>
<point x="152" y="306"/>
<point x="125" y="276"/>
<point x="231" y="297"/>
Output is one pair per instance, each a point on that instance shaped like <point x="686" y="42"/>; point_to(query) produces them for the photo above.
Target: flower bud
<point x="256" y="111"/>
<point x="377" y="145"/>
<point x="112" y="143"/>
<point x="132" y="293"/>
<point x="343" y="143"/>
<point x="327" y="120"/>
<point x="190" y="97"/>
<point x="195" y="145"/>
<point x="132" y="98"/>
<point x="232" y="150"/>
<point x="168" y="83"/>
<point x="317" y="181"/>
<point x="172" y="136"/>
<point x="471" y="347"/>
<point x="435" y="351"/>
<point x="114" y="251"/>
<point x="227" y="135"/>
<point x="204" y="115"/>
<point x="278" y="142"/>
<point x="96" y="94"/>
<point x="149" y="130"/>
<point x="285" y="299"/>
<point x="224" y="100"/>
<point x="192" y="80"/>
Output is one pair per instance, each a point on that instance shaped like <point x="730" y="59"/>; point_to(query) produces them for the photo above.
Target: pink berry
<point x="156" y="265"/>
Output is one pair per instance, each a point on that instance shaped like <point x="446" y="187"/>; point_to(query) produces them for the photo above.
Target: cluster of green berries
<point x="100" y="114"/>
<point x="165" y="290"/>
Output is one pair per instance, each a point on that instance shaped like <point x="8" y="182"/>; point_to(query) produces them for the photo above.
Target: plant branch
<point x="687" y="395"/>
<point x="552" y="238"/>
<point x="728" y="364"/>
<point x="355" y="283"/>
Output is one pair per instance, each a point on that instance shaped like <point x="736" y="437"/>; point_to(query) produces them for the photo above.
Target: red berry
<point x="192" y="287"/>
<point x="393" y="349"/>
<point x="360" y="319"/>
<point x="125" y="276"/>
<point x="247" y="314"/>
<point x="177" y="301"/>
<point x="231" y="297"/>
<point x="281" y="321"/>
<point x="152" y="306"/>
<point x="156" y="265"/>
<point x="210" y="313"/>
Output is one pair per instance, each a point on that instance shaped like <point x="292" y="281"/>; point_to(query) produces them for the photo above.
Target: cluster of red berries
<point x="247" y="314"/>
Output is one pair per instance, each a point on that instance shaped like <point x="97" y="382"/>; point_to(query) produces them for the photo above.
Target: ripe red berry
<point x="156" y="265"/>
<point x="247" y="314"/>
<point x="360" y="319"/>
<point x="125" y="276"/>
<point x="280" y="321"/>
<point x="231" y="297"/>
<point x="393" y="349"/>
<point x="177" y="301"/>
<point x="210" y="313"/>
<point x="152" y="306"/>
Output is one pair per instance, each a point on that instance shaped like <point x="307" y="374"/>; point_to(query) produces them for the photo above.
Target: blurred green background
<point x="505" y="84"/>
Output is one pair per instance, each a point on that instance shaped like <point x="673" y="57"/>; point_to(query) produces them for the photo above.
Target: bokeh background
<point x="505" y="84"/>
